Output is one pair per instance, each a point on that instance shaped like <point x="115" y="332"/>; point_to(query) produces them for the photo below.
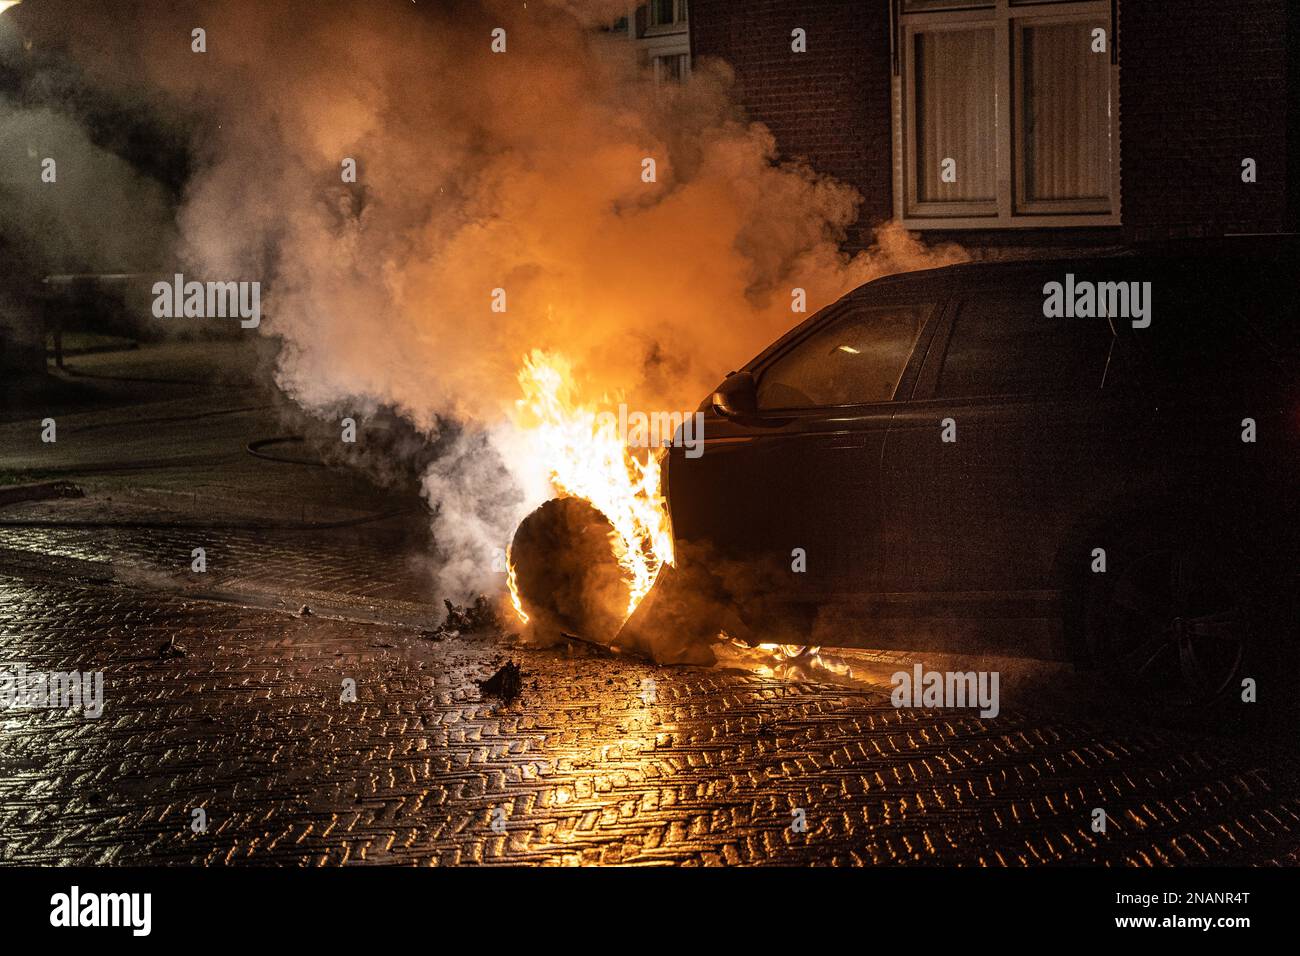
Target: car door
<point x="1019" y="396"/>
<point x="796" y="490"/>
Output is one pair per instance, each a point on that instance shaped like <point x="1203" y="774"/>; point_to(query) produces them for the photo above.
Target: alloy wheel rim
<point x="1175" y="626"/>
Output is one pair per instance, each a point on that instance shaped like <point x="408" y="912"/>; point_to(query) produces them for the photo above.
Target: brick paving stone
<point x="248" y="725"/>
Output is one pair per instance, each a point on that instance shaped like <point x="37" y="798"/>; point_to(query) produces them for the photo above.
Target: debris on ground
<point x="170" y="650"/>
<point x="304" y="611"/>
<point x="480" y="616"/>
<point x="506" y="683"/>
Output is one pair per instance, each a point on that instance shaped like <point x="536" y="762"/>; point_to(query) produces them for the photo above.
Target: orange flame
<point x="512" y="582"/>
<point x="585" y="457"/>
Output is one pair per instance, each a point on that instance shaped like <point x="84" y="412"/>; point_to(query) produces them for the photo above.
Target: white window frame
<point x="1006" y="17"/>
<point x="663" y="40"/>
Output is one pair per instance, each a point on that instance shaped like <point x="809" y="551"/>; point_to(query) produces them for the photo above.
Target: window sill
<point x="921" y="223"/>
<point x="670" y="30"/>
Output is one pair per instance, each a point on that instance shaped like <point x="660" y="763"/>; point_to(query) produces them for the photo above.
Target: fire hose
<point x="253" y="448"/>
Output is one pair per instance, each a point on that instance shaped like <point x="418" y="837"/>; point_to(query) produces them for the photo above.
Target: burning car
<point x="949" y="458"/>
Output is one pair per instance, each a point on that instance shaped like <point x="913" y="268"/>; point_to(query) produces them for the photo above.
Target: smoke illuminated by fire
<point x="476" y="172"/>
<point x="585" y="456"/>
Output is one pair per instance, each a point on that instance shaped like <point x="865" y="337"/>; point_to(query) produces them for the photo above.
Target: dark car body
<point x="1066" y="435"/>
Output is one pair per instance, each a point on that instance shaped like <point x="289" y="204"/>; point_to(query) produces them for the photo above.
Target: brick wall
<point x="831" y="105"/>
<point x="1203" y="84"/>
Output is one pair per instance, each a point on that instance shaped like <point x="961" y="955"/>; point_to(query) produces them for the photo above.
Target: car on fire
<point x="947" y="459"/>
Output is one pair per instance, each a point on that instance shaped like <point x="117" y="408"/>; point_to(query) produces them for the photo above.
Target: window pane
<point x="1006" y="346"/>
<point x="1064" y="114"/>
<point x="856" y="359"/>
<point x="663" y="12"/>
<point x="672" y="67"/>
<point x="955" y="115"/>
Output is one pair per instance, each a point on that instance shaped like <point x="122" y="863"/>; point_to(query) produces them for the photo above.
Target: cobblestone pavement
<point x="585" y="767"/>
<point x="248" y="725"/>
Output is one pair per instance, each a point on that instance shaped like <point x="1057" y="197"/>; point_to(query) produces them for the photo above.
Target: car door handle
<point x="848" y="440"/>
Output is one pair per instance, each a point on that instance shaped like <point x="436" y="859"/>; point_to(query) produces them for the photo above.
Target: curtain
<point x="1064" y="107"/>
<point x="955" y="117"/>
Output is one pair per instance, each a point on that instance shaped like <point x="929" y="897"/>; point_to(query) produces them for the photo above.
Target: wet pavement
<point x="602" y="759"/>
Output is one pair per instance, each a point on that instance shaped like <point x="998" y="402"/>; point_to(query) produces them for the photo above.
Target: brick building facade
<point x="1194" y="88"/>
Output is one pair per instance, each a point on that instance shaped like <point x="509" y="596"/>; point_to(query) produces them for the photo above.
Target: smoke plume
<point x="477" y="171"/>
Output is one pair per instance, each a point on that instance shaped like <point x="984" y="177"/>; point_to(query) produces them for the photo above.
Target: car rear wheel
<point x="1171" y="622"/>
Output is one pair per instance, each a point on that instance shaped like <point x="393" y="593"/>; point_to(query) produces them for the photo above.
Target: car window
<point x="1239" y="328"/>
<point x="1004" y="345"/>
<point x="856" y="358"/>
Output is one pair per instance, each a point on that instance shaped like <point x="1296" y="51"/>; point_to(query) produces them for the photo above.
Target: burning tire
<point x="568" y="581"/>
<point x="567" y="578"/>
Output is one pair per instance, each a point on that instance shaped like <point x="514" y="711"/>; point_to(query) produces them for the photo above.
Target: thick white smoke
<point x="477" y="171"/>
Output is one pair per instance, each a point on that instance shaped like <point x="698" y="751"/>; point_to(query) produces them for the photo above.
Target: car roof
<point x="1249" y="253"/>
<point x="1258" y="251"/>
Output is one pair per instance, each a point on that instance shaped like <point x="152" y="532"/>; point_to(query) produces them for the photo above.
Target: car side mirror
<point x="737" y="397"/>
